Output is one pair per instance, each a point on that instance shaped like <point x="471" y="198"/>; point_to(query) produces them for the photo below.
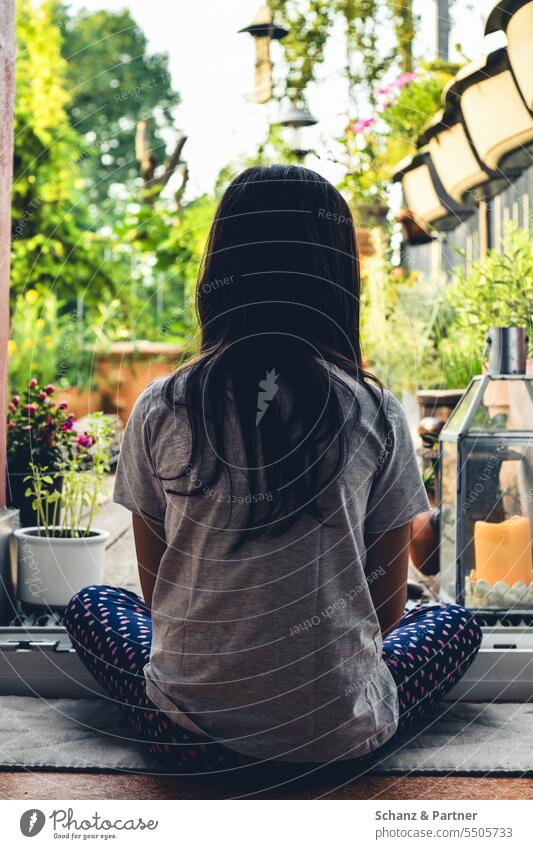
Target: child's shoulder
<point x="370" y="395"/>
<point x="161" y="399"/>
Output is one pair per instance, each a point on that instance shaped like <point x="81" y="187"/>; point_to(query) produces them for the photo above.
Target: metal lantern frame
<point x="465" y="440"/>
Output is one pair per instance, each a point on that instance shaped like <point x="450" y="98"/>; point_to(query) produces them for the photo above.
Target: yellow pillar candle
<point x="503" y="551"/>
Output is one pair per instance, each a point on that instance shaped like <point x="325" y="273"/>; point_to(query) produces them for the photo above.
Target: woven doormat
<point x="90" y="734"/>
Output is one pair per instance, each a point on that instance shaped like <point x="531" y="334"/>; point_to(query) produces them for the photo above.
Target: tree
<point x="54" y="243"/>
<point x="404" y="25"/>
<point x="115" y="82"/>
<point x="366" y="25"/>
<point x="156" y="176"/>
<point x="308" y="23"/>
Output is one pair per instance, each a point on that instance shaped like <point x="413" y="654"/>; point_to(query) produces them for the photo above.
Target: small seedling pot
<point x="50" y="570"/>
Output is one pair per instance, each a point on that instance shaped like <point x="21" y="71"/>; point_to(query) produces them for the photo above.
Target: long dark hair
<point x="278" y="305"/>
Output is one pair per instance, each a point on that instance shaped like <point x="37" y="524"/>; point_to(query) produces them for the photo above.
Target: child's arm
<point x="386" y="565"/>
<point x="150" y="545"/>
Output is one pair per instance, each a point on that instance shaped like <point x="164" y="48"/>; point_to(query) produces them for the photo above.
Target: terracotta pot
<point x="125" y="371"/>
<point x="438" y="403"/>
<point x="81" y="402"/>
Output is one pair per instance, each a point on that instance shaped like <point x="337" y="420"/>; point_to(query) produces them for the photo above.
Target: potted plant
<point x="63" y="552"/>
<point x="125" y="369"/>
<point x="497" y="291"/>
<point x="39" y="429"/>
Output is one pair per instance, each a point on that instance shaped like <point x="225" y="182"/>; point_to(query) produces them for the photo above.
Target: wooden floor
<point x="72" y="785"/>
<point x="121" y="570"/>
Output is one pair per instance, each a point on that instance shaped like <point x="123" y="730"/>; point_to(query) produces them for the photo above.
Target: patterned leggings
<point x="111" y="630"/>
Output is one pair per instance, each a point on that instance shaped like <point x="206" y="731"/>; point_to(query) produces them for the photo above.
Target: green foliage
<point x="396" y="323"/>
<point x="169" y="248"/>
<point x="33" y="346"/>
<point x="497" y="291"/>
<point x="68" y="510"/>
<point x="373" y="146"/>
<point x="418" y="101"/>
<point x="309" y="23"/>
<point x="54" y="245"/>
<point x="115" y="82"/>
<point x="366" y="24"/>
<point x="405" y="28"/>
<point x="55" y="345"/>
<point x="455" y="362"/>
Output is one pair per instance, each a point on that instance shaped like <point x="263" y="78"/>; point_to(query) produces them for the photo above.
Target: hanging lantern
<point x="295" y="119"/>
<point x="515" y="19"/>
<point x="264" y="31"/>
<point x="486" y="491"/>
<point x="497" y="120"/>
<point x="424" y="194"/>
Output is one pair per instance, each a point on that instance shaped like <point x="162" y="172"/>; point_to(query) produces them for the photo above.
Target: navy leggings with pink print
<point x="111" y="629"/>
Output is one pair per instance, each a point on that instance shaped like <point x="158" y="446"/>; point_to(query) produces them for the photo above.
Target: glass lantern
<point x="486" y="485"/>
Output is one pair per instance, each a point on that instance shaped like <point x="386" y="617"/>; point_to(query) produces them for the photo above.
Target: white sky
<point x="212" y="68"/>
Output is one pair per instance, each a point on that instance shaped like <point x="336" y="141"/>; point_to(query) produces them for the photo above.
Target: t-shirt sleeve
<point x="398" y="493"/>
<point x="137" y="486"/>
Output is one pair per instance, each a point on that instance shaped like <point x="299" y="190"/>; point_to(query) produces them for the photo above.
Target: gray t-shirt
<point x="274" y="650"/>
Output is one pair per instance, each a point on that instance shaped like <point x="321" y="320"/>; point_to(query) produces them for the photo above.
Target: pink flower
<point x="86" y="440"/>
<point x="63" y="405"/>
<point x="33" y="383"/>
<point x="42" y="396"/>
<point x="386" y="89"/>
<point x="68" y="425"/>
<point x="363" y="124"/>
<point x="16" y="400"/>
<point x="30" y="409"/>
<point x="11" y="407"/>
<point x="403" y="79"/>
<point x="50" y="389"/>
<point x="11" y="425"/>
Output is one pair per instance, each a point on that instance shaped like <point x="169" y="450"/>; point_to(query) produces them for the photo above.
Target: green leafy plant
<point x="497" y="291"/>
<point x="457" y="359"/>
<point x="409" y="103"/>
<point x="373" y="145"/>
<point x="396" y="323"/>
<point x="33" y="343"/>
<point x="52" y="344"/>
<point x="69" y="511"/>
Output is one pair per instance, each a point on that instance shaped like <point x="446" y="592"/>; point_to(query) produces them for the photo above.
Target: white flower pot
<point x="51" y="570"/>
